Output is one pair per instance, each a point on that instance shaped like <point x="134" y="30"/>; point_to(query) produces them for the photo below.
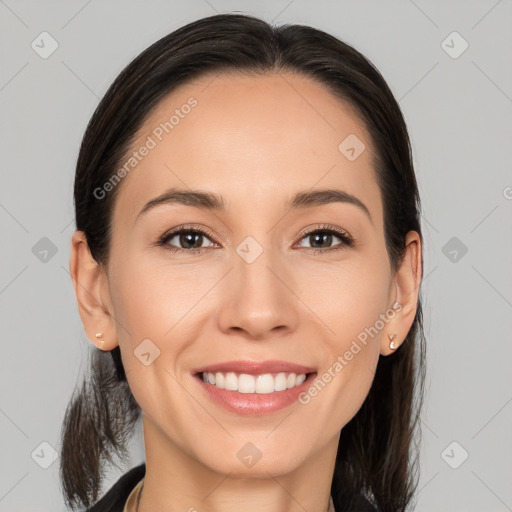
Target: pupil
<point x="186" y="238"/>
<point x="320" y="236"/>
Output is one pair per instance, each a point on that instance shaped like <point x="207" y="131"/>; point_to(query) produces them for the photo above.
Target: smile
<point x="245" y="383"/>
<point x="254" y="395"/>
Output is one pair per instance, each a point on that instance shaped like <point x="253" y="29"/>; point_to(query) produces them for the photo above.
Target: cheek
<point x="347" y="296"/>
<point x="151" y="298"/>
<point x="154" y="303"/>
<point x="350" y="299"/>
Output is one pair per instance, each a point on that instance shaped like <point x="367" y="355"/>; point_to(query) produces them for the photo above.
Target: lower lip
<point x="254" y="404"/>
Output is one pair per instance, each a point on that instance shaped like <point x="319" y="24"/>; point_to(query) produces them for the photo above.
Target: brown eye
<point x="188" y="239"/>
<point x="185" y="239"/>
<point x="321" y="239"/>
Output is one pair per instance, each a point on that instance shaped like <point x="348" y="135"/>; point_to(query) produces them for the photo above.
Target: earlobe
<point x="407" y="282"/>
<point x="89" y="280"/>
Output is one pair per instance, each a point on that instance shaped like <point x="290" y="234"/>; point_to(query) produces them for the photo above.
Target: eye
<point x="190" y="238"/>
<point x="324" y="235"/>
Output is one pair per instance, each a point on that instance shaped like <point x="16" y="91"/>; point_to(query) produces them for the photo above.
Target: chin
<point x="251" y="462"/>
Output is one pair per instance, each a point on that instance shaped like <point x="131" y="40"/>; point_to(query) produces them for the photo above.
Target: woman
<point x="247" y="260"/>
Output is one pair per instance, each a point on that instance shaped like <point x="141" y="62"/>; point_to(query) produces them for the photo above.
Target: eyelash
<point x="346" y="239"/>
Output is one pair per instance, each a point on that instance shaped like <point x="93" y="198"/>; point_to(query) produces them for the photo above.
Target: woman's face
<point x="258" y="286"/>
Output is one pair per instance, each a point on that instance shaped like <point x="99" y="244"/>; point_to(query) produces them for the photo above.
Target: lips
<point x="262" y="401"/>
<point x="255" y="367"/>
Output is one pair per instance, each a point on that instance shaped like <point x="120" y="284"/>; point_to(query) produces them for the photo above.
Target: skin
<point x="256" y="140"/>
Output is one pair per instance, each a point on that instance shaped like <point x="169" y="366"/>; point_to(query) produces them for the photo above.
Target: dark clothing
<point x="115" y="499"/>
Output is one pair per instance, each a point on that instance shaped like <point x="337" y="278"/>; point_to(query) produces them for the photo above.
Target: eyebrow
<point x="215" y="202"/>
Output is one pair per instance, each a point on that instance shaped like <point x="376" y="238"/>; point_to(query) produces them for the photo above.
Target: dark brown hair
<point x="374" y="456"/>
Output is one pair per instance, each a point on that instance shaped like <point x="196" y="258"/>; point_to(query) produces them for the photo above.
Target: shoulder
<point x="116" y="497"/>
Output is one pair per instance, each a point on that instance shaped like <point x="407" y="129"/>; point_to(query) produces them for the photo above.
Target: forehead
<point x="253" y="139"/>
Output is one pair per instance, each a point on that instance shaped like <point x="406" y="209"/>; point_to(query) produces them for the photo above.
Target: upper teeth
<point x="245" y="383"/>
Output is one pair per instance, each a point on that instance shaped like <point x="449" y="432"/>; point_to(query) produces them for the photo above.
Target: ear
<point x="407" y="282"/>
<point x="92" y="294"/>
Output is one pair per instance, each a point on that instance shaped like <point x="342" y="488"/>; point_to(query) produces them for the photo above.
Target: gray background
<point x="459" y="113"/>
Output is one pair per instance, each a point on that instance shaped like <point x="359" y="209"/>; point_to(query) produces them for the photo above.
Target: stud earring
<point x="101" y="342"/>
<point x="391" y="337"/>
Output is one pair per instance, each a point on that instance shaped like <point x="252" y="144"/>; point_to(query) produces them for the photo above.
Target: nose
<point x="258" y="299"/>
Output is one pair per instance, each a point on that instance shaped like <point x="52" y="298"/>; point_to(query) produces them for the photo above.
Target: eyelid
<point x="325" y="227"/>
<point x="171" y="233"/>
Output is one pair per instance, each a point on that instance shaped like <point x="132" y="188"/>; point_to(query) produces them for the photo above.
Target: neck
<point x="176" y="480"/>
